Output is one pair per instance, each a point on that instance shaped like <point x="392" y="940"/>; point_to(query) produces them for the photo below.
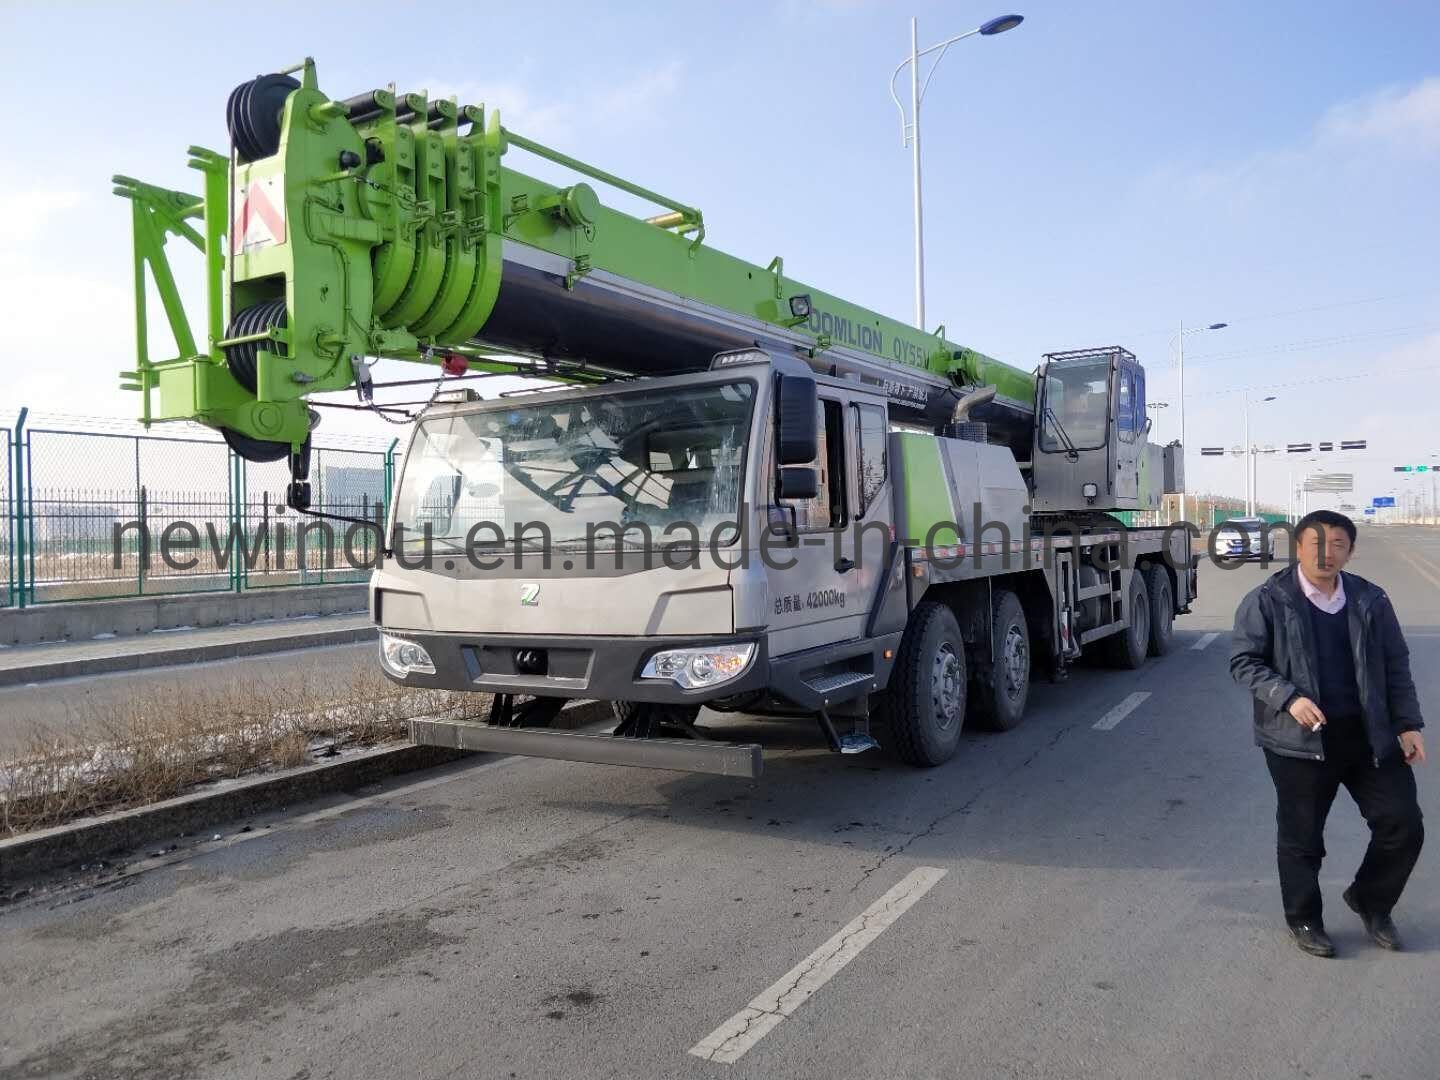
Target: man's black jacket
<point x="1273" y="657"/>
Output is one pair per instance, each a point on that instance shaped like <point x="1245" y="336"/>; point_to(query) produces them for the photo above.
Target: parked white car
<point x="1245" y="538"/>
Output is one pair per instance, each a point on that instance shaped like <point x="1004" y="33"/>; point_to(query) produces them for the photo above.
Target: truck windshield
<point x="555" y="471"/>
<point x="1076" y="405"/>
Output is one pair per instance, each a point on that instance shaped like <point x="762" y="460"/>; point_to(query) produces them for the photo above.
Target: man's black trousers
<point x="1385" y="795"/>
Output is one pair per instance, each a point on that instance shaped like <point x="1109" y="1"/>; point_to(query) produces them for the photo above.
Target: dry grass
<point x="168" y="738"/>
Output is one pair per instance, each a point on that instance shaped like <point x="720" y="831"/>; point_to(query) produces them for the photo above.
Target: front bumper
<point x="607" y="668"/>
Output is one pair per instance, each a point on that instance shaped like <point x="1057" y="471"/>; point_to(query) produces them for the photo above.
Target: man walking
<point x="1322" y="653"/>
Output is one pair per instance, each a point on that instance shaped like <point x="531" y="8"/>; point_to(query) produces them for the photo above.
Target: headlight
<point x="694" y="668"/>
<point x="401" y="657"/>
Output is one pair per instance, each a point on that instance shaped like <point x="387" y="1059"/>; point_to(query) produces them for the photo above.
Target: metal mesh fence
<point x="91" y="515"/>
<point x="290" y="549"/>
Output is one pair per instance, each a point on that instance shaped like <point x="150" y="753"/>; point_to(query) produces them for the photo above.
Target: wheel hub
<point x="947" y="683"/>
<point x="1015" y="661"/>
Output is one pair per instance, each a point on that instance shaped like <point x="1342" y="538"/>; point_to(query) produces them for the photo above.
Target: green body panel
<point x="393" y="234"/>
<point x="926" y="492"/>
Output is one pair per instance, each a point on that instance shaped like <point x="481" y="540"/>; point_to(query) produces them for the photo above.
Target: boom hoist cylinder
<point x="385" y="225"/>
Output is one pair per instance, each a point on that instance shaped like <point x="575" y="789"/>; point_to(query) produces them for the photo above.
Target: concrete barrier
<point x="83" y="620"/>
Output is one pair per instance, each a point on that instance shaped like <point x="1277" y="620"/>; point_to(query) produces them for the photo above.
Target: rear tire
<point x="1001" y="696"/>
<point x="1162" y="609"/>
<point x="1128" y="648"/>
<point x="924" y="705"/>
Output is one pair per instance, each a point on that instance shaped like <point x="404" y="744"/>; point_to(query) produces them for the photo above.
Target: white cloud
<point x="1402" y="119"/>
<point x="1343" y="144"/>
<point x="30" y="211"/>
<point x="544" y="117"/>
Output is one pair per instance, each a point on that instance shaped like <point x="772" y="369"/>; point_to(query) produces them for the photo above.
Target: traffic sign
<point x="1352" y="444"/>
<point x="1369" y="511"/>
<point x="1332" y="482"/>
<point x="1383" y="500"/>
<point x="1413" y="468"/>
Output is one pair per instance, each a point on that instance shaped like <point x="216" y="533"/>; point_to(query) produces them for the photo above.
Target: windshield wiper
<point x="1060" y="430"/>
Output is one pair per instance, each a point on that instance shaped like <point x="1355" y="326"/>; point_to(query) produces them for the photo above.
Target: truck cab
<point x="670" y="540"/>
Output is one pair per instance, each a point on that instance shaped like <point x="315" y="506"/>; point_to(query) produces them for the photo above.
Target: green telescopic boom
<point x="385" y="225"/>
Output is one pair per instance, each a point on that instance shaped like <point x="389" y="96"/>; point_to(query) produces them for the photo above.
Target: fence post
<point x="237" y="545"/>
<point x="18" y="498"/>
<point x="144" y="524"/>
<point x="144" y="553"/>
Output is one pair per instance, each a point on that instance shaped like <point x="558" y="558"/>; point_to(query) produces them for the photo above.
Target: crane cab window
<point x="827" y="510"/>
<point x="1127" y="423"/>
<point x="1076" y="406"/>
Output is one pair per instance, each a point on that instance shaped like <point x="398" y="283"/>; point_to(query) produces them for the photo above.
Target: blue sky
<point x="1094" y="177"/>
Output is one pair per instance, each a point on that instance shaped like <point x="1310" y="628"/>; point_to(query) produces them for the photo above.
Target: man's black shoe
<point x="1312" y="939"/>
<point x="1381" y="928"/>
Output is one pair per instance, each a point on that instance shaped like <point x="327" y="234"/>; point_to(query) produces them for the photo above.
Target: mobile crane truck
<point x="734" y="490"/>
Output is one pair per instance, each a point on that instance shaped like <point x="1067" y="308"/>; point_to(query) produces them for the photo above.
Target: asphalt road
<point x="1059" y="901"/>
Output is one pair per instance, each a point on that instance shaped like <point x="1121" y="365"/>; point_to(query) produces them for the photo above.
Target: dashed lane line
<point x="1420" y="569"/>
<point x="1206" y="640"/>
<point x="1119" y="712"/>
<point x="729" y="1042"/>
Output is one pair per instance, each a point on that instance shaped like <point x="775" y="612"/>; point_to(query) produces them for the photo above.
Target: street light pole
<point x="1250" y="456"/>
<point x="910" y="131"/>
<point x="1179" y="339"/>
<point x="915" y="172"/>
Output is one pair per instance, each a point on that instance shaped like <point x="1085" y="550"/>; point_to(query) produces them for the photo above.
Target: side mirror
<point x="797" y="482"/>
<point x="796" y="439"/>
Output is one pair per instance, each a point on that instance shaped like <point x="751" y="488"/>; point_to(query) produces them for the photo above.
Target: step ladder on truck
<point x="733" y="491"/>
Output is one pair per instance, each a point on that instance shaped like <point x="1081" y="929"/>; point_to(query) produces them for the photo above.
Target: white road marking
<point x="728" y="1043"/>
<point x="1205" y="640"/>
<point x="1119" y="712"/>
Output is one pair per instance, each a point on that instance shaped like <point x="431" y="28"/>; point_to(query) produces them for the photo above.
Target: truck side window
<point x="1125" y="419"/>
<point x="872" y="437"/>
<point x="827" y="509"/>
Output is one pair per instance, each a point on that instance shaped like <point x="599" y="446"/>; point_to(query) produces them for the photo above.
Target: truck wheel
<point x="645" y="720"/>
<point x="1000" y="698"/>
<point x="924" y="705"/>
<point x="1162" y="609"/>
<point x="1128" y="648"/>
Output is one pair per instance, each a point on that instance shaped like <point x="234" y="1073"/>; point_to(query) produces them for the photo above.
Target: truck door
<point x="822" y="582"/>
<point x="1129" y="428"/>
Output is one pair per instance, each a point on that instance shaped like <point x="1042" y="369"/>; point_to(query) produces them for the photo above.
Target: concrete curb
<point x="64" y="846"/>
<point x="183" y="654"/>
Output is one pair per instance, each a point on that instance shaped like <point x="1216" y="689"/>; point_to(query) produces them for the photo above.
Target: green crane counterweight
<point x="386" y="225"/>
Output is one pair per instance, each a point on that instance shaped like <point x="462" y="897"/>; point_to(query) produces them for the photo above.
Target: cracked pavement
<point x="1108" y="908"/>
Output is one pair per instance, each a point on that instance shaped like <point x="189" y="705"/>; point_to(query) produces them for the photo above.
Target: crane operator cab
<point x="1092" y="446"/>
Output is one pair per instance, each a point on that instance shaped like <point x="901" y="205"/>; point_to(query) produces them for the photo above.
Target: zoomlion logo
<point x="530" y="594"/>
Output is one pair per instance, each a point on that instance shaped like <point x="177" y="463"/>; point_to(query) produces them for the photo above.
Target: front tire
<point x="641" y="719"/>
<point x="924" y="705"/>
<point x="1000" y="702"/>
